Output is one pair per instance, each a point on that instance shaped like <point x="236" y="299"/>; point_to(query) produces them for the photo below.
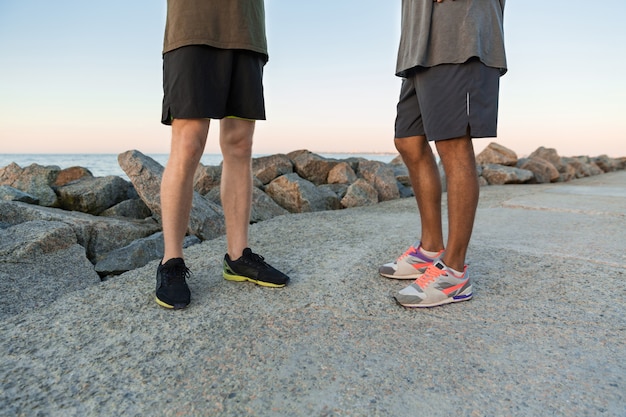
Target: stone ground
<point x="544" y="334"/>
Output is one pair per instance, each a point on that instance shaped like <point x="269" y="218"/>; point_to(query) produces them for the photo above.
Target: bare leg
<point x="236" y="185"/>
<point x="424" y="174"/>
<point x="457" y="156"/>
<point x="188" y="141"/>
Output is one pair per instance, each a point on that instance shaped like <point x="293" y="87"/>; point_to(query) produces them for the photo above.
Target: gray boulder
<point x="268" y="168"/>
<point x="92" y="195"/>
<point x="133" y="208"/>
<point x="145" y="173"/>
<point x="299" y="195"/>
<point x="98" y="235"/>
<point x="35" y="180"/>
<point x="339" y="190"/>
<point x="360" y="193"/>
<point x="8" y="193"/>
<point x="137" y="254"/>
<point x="381" y="176"/>
<point x="263" y="207"/>
<point x="500" y="174"/>
<point x="39" y="262"/>
<point x="206" y="218"/>
<point x="497" y="154"/>
<point x="206" y="178"/>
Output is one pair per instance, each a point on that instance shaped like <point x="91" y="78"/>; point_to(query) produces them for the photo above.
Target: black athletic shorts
<point x="202" y="82"/>
<point x="444" y="101"/>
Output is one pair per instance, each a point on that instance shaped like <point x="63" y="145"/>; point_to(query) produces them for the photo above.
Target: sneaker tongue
<point x="439" y="265"/>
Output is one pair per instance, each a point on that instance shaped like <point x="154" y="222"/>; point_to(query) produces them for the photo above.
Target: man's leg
<point x="457" y="156"/>
<point x="236" y="184"/>
<point x="188" y="140"/>
<point x="425" y="179"/>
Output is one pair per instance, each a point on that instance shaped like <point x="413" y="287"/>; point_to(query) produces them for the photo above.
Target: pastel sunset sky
<point x="85" y="77"/>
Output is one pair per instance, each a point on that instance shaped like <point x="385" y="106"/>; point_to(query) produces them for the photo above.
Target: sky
<point x="82" y="76"/>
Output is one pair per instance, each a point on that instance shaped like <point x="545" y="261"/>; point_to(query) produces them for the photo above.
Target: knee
<point x="413" y="149"/>
<point x="236" y="139"/>
<point x="189" y="139"/>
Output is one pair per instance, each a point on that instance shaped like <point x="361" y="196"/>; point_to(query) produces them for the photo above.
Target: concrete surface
<point x="543" y="336"/>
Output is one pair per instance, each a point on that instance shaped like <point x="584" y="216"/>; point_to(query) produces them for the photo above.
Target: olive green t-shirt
<point x="451" y="32"/>
<point x="226" y="24"/>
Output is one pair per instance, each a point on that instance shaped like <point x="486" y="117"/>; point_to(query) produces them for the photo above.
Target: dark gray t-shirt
<point x="451" y="32"/>
<point x="226" y="24"/>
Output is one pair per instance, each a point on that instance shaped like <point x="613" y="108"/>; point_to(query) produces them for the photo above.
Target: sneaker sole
<point x="240" y="278"/>
<point x="169" y="306"/>
<point x="412" y="276"/>
<point x="456" y="299"/>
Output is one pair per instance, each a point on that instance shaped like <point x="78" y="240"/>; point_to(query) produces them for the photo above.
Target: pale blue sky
<point x="81" y="76"/>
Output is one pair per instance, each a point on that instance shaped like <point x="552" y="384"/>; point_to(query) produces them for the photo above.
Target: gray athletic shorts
<point x="445" y="101"/>
<point x="202" y="82"/>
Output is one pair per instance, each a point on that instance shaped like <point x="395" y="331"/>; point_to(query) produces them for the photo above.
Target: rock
<point x="8" y="193"/>
<point x="605" y="163"/>
<point x="145" y="173"/>
<point x="402" y="177"/>
<point x="10" y="173"/>
<point x="98" y="235"/>
<point x="339" y="190"/>
<point x="381" y="177"/>
<point x="134" y="208"/>
<point x="582" y="166"/>
<point x="263" y="207"/>
<point x="206" y="178"/>
<point x="311" y="167"/>
<point x="137" y="254"/>
<point x="500" y="174"/>
<point x="497" y="154"/>
<point x="360" y="193"/>
<point x="35" y="180"/>
<point x="298" y="195"/>
<point x="342" y="173"/>
<point x="39" y="262"/>
<point x="544" y="171"/>
<point x="92" y="195"/>
<point x="71" y="174"/>
<point x="397" y="161"/>
<point x="206" y="219"/>
<point x="268" y="168"/>
<point x="551" y="155"/>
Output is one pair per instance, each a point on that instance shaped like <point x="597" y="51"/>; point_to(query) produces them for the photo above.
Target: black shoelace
<point x="176" y="275"/>
<point x="254" y="259"/>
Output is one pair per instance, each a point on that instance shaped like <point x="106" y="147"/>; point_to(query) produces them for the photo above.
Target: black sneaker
<point x="252" y="267"/>
<point x="171" y="288"/>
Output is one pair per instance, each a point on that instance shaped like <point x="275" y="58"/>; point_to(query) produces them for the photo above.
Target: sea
<point x="102" y="165"/>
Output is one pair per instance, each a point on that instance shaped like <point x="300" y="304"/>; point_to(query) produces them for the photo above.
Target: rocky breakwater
<point x="64" y="229"/>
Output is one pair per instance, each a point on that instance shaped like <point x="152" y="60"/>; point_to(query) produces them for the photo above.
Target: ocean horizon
<point x="103" y="164"/>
